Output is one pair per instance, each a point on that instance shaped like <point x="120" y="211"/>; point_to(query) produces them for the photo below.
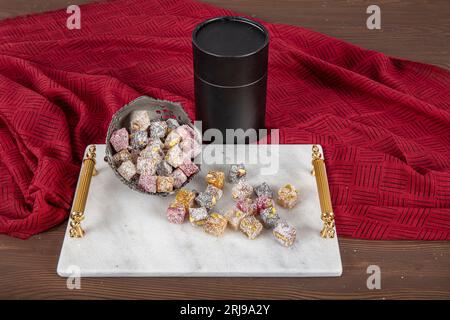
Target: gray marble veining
<point x="127" y="233"/>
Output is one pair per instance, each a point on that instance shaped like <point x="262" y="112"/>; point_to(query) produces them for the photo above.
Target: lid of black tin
<point x="230" y="51"/>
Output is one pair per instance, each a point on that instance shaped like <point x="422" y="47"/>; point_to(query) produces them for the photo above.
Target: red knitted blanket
<point x="384" y="122"/>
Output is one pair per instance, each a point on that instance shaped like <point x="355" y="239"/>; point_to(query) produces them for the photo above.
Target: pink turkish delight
<point x="263" y="202"/>
<point x="176" y="213"/>
<point x="189" y="168"/>
<point x="179" y="178"/>
<point x="191" y="148"/>
<point x="148" y="182"/>
<point x="246" y="205"/>
<point x="186" y="132"/>
<point x="119" y="139"/>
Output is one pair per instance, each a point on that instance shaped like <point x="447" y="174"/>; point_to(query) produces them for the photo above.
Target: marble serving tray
<point x="128" y="235"/>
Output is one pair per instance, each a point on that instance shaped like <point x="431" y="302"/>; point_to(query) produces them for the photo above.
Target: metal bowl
<point x="158" y="110"/>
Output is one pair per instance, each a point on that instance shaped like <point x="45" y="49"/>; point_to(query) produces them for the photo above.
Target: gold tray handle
<point x="79" y="204"/>
<point x="320" y="172"/>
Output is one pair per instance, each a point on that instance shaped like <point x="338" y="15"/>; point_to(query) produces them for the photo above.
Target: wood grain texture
<point x="416" y="30"/>
<point x="412" y="29"/>
<point x="408" y="270"/>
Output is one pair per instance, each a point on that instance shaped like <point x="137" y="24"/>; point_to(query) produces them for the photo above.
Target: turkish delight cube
<point x="127" y="170"/>
<point x="139" y="120"/>
<point x="285" y="233"/>
<point x="234" y="217"/>
<point x="174" y="156"/>
<point x="186" y="132"/>
<point x="172" y="124"/>
<point x="264" y="190"/>
<point x="147" y="182"/>
<point x="121" y="156"/>
<point x="172" y="139"/>
<point x="134" y="155"/>
<point x="164" y="184"/>
<point x="176" y="213"/>
<point x="215" y="224"/>
<point x="247" y="205"/>
<point x="216" y="192"/>
<point x="179" y="178"/>
<point x="262" y="203"/>
<point x="153" y="150"/>
<point x="163" y="169"/>
<point x="139" y="139"/>
<point x="206" y="200"/>
<point x="119" y="139"/>
<point x="198" y="216"/>
<point x="251" y="227"/>
<point x="186" y="197"/>
<point x="146" y="165"/>
<point x="236" y="173"/>
<point x="216" y="178"/>
<point x="269" y="217"/>
<point x="158" y="129"/>
<point x="155" y="142"/>
<point x="287" y="196"/>
<point x="189" y="168"/>
<point x="191" y="148"/>
<point x="241" y="190"/>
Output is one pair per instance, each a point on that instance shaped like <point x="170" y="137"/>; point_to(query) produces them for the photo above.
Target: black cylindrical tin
<point x="230" y="72"/>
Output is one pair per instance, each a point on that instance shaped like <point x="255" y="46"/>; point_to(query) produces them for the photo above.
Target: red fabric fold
<point x="384" y="122"/>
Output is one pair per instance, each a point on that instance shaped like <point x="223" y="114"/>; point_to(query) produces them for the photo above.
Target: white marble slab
<point x="127" y="233"/>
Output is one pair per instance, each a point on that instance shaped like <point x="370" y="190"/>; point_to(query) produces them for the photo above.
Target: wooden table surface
<point x="417" y="30"/>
